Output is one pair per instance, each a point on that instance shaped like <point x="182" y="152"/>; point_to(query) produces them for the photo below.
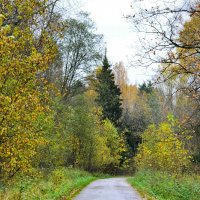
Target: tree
<point x="144" y="109"/>
<point x="135" y="121"/>
<point x="25" y="112"/>
<point x="159" y="25"/>
<point x="146" y="87"/>
<point x="121" y="77"/>
<point x="128" y="92"/>
<point x="81" y="49"/>
<point x="189" y="67"/>
<point x="108" y="94"/>
<point x="170" y="40"/>
<point x="152" y="99"/>
<point x="162" y="149"/>
<point x="81" y="139"/>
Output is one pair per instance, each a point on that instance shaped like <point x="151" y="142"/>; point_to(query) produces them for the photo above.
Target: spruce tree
<point x="108" y="94"/>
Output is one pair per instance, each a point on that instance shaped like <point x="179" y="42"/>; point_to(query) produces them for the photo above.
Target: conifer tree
<point x="108" y="94"/>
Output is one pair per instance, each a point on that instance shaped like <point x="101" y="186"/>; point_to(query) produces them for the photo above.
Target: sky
<point x="120" y="38"/>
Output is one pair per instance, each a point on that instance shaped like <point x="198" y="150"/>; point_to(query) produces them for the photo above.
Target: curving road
<point x="109" y="189"/>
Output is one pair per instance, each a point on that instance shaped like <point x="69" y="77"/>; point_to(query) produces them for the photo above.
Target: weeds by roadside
<point x="163" y="186"/>
<point x="62" y="183"/>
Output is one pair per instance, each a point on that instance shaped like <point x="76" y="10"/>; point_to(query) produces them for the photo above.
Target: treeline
<point x="174" y="144"/>
<point x="62" y="104"/>
<point x="51" y="111"/>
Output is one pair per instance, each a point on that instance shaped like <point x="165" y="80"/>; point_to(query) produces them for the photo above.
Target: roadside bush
<point x="162" y="149"/>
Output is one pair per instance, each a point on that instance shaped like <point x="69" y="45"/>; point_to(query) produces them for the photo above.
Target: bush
<point x="162" y="150"/>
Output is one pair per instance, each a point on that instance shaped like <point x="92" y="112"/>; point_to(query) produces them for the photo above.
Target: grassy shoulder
<point x="61" y="183"/>
<point x="162" y="186"/>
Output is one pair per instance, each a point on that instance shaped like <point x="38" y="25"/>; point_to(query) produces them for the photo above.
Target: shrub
<point x="162" y="149"/>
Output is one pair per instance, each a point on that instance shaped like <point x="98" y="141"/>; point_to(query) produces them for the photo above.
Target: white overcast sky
<point x="108" y="15"/>
<point x="120" y="39"/>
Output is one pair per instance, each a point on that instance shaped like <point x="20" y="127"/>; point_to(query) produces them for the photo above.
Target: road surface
<point x="109" y="189"/>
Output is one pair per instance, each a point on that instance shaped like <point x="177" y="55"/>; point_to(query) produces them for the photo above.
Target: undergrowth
<point x="62" y="183"/>
<point x="163" y="186"/>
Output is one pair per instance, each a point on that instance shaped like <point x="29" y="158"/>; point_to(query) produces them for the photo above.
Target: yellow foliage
<point x="24" y="97"/>
<point x="128" y="92"/>
<point x="162" y="149"/>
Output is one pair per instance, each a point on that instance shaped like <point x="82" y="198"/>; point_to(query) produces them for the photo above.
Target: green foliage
<point x="58" y="184"/>
<point x="80" y="48"/>
<point x="146" y="87"/>
<point x="154" y="103"/>
<point x="114" y="144"/>
<point x="108" y="94"/>
<point x="145" y="109"/>
<point x="150" y="96"/>
<point x="162" y="186"/>
<point x="39" y="128"/>
<point x="81" y="139"/>
<point x="162" y="149"/>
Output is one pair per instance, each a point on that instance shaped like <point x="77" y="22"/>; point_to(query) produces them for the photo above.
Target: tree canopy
<point x="108" y="94"/>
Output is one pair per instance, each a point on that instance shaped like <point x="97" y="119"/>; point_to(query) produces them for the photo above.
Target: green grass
<point x="162" y="186"/>
<point x="61" y="183"/>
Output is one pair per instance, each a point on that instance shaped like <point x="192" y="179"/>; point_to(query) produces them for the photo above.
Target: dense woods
<point x="63" y="105"/>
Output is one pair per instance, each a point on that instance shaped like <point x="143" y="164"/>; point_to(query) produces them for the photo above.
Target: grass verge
<point x="61" y="184"/>
<point x="162" y="186"/>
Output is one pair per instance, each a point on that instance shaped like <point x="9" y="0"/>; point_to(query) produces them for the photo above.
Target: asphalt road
<point x="109" y="189"/>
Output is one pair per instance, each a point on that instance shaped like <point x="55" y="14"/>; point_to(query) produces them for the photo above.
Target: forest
<point x="69" y="116"/>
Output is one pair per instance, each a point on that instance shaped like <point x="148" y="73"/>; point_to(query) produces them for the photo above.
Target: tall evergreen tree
<point x="108" y="94"/>
<point x="146" y="87"/>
